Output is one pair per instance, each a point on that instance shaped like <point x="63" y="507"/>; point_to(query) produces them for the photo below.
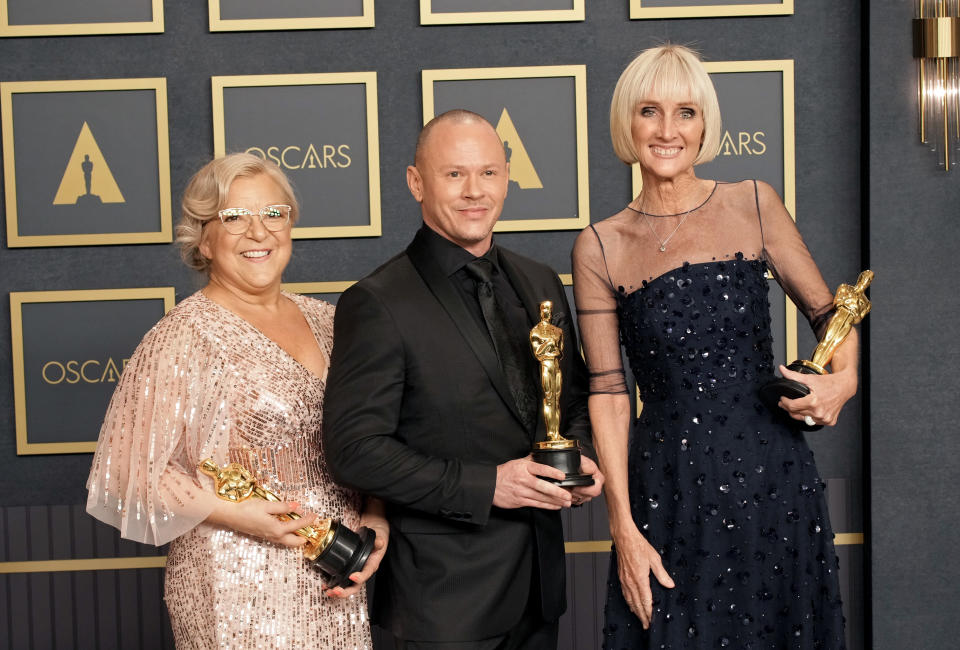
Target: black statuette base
<point x="772" y="391"/>
<point x="346" y="554"/>
<point x="567" y="461"/>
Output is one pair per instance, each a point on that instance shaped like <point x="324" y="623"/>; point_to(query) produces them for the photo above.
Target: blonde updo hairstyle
<point x="667" y="72"/>
<point x="206" y="195"/>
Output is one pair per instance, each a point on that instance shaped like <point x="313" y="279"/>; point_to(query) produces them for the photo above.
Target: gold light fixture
<point x="936" y="46"/>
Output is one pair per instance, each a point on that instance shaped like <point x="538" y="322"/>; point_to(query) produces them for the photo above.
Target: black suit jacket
<point x="418" y="413"/>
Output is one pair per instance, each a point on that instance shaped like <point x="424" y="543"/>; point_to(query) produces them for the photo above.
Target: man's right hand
<point x="519" y="485"/>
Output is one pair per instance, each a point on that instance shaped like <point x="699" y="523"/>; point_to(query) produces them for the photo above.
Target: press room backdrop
<point x="339" y="100"/>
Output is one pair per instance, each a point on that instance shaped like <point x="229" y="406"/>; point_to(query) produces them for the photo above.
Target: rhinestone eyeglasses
<point x="237" y="221"/>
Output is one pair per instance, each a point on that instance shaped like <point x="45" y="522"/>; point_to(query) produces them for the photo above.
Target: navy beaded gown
<point x="726" y="490"/>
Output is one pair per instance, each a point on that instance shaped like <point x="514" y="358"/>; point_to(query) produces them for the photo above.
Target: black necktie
<point x="510" y="346"/>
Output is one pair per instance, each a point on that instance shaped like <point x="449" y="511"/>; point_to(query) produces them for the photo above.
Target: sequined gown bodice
<point x="205" y="383"/>
<point x="698" y="329"/>
<point x="724" y="489"/>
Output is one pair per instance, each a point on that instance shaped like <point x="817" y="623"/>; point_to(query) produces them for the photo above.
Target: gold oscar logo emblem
<point x="522" y="171"/>
<point x="87" y="179"/>
<point x="311" y="156"/>
<point x="744" y="144"/>
<point x="90" y="371"/>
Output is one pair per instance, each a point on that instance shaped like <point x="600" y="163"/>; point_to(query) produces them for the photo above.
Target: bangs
<point x="670" y="79"/>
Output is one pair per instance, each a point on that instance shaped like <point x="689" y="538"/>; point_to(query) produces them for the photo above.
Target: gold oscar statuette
<point x="332" y="548"/>
<point x="546" y="342"/>
<point x="851" y="306"/>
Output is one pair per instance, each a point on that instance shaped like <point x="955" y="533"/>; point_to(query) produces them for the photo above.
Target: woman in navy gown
<point x="709" y="491"/>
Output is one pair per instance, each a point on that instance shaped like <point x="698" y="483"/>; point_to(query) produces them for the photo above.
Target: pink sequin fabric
<point x="205" y="383"/>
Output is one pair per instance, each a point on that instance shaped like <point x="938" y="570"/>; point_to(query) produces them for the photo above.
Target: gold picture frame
<point x="338" y="286"/>
<point x="579" y="75"/>
<point x="429" y="17"/>
<point x="218" y="24"/>
<point x="159" y="86"/>
<point x="369" y="80"/>
<point x="153" y="26"/>
<point x="17" y="300"/>
<point x="641" y="9"/>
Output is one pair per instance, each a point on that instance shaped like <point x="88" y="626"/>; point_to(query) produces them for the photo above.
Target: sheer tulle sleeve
<point x="790" y="261"/>
<point x="164" y="415"/>
<point x="597" y="315"/>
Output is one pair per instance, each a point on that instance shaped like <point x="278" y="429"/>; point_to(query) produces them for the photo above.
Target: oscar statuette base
<point x="566" y="459"/>
<point x="772" y="391"/>
<point x="346" y="553"/>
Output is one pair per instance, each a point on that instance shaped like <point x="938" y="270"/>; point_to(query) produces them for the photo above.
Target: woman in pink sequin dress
<point x="236" y="372"/>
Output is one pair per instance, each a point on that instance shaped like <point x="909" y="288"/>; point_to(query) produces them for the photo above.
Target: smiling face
<point x="460" y="181"/>
<point x="252" y="262"/>
<point x="667" y="135"/>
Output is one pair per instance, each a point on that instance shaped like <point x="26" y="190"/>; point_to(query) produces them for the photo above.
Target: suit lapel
<point x="531" y="298"/>
<point x="477" y="339"/>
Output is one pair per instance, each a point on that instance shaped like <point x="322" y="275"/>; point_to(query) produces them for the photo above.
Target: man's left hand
<point x="583" y="493"/>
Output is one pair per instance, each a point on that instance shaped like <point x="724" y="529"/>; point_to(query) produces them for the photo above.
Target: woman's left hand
<point x="382" y="529"/>
<point x="828" y="394"/>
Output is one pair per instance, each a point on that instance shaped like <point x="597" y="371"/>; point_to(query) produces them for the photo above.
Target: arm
<point x="609" y="407"/>
<point x="797" y="273"/>
<point x="144" y="479"/>
<point x="365" y="393"/>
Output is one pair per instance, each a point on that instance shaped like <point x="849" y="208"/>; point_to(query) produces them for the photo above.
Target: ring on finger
<point x="809" y="421"/>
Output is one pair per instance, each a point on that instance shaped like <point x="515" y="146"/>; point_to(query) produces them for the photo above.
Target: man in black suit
<point x="432" y="405"/>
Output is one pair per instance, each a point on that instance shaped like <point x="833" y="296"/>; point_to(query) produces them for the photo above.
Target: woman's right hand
<point x="636" y="559"/>
<point x="258" y="518"/>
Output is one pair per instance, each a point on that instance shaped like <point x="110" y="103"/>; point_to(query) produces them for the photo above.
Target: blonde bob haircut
<point x="664" y="73"/>
<point x="206" y="195"/>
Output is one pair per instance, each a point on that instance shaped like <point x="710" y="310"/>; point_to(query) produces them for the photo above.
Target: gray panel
<point x="38" y="533"/>
<point x="252" y="9"/>
<point x="702" y="3"/>
<point x="751" y="104"/>
<point x="107" y="609"/>
<point x="52" y="12"/>
<point x="18" y="535"/>
<point x="129" y="609"/>
<point x="84" y="598"/>
<point x="543" y="110"/>
<point x="47" y="126"/>
<point x="21" y="634"/>
<point x="62" y="610"/>
<point x="913" y="330"/>
<point x="61" y="536"/>
<point x="59" y="340"/>
<point x="150" y="594"/>
<point x="445" y="6"/>
<point x="6" y="631"/>
<point x="318" y="135"/>
<point x="41" y="618"/>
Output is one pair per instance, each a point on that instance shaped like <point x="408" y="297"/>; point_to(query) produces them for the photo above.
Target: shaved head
<point x="454" y="116"/>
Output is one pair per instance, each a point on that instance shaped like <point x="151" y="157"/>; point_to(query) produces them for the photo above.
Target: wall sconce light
<point x="936" y="46"/>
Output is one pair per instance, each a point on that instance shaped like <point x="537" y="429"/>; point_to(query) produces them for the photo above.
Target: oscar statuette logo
<point x="851" y="306"/>
<point x="332" y="549"/>
<point x="522" y="171"/>
<point x="546" y="342"/>
<point x="87" y="179"/>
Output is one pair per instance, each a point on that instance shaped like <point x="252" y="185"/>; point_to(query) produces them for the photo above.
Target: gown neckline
<point x="322" y="380"/>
